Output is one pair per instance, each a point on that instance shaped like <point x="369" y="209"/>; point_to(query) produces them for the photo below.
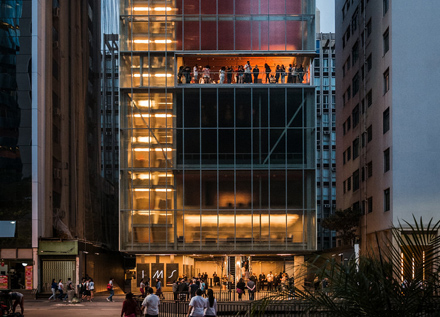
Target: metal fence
<point x="231" y="309"/>
<point x="226" y="295"/>
<point x="274" y="309"/>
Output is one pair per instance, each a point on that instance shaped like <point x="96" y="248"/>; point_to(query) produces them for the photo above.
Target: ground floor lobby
<point x="220" y="271"/>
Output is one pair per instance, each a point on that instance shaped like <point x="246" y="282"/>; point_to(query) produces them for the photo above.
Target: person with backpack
<point x="110" y="289"/>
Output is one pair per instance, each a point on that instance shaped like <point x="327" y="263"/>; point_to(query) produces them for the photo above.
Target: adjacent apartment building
<point x="217" y="167"/>
<point x="324" y="80"/>
<point x="387" y="113"/>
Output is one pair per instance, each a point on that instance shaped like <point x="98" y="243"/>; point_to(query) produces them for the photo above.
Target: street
<point x="100" y="307"/>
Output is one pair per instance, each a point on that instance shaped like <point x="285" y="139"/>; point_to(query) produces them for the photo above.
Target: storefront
<point x="16" y="269"/>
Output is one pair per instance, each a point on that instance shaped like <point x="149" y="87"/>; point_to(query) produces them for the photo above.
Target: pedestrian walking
<point x="130" y="307"/>
<point x="61" y="289"/>
<point x="110" y="289"/>
<point x="211" y="304"/>
<point x="151" y="304"/>
<point x="159" y="288"/>
<point x="92" y="289"/>
<point x="197" y="305"/>
<point x="53" y="288"/>
<point x="142" y="288"/>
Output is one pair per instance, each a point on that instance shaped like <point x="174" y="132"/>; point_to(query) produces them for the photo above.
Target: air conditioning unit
<point x="327" y="206"/>
<point x="333" y="169"/>
<point x="56" y="12"/>
<point x="326" y="132"/>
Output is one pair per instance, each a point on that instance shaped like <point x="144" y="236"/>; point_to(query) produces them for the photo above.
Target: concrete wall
<point x="415" y="113"/>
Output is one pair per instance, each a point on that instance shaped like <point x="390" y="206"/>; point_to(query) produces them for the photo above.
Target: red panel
<point x="255" y="36"/>
<point x="225" y="35"/>
<point x="243" y="35"/>
<point x="277" y="35"/>
<point x="178" y="27"/>
<point x="293" y="7"/>
<point x="277" y="6"/>
<point x="209" y="6"/>
<point x="242" y="6"/>
<point x="209" y="33"/>
<point x="226" y="7"/>
<point x="293" y="35"/>
<point x="191" y="38"/>
<point x="264" y="6"/>
<point x="255" y="6"/>
<point x="178" y="6"/>
<point x="191" y="6"/>
<point x="264" y="35"/>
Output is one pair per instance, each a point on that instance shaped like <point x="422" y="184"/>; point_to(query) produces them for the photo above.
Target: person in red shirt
<point x="130" y="307"/>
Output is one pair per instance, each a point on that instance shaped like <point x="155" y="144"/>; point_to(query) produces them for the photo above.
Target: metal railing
<point x="214" y="77"/>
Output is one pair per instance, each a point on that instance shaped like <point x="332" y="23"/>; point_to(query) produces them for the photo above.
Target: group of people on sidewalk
<point x="63" y="290"/>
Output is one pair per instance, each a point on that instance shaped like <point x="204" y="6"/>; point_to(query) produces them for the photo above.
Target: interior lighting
<point x="141" y="189"/>
<point x="141" y="149"/>
<point x="141" y="8"/>
<point x="165" y="175"/>
<point x="164" y="190"/>
<point x="142" y="41"/>
<point x="157" y="115"/>
<point x="142" y="139"/>
<point x="144" y="103"/>
<point x="240" y="220"/>
<point x="162" y="75"/>
<point x="143" y="176"/>
<point x="162" y="9"/>
<point x="166" y="149"/>
<point x="163" y="41"/>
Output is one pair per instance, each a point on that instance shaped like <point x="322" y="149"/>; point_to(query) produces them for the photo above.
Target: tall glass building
<point x="216" y="170"/>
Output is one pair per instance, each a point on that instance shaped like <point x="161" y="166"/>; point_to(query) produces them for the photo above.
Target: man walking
<point x="151" y="304"/>
<point x="111" y="290"/>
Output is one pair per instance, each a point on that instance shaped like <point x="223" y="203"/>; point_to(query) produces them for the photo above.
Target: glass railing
<point x="236" y="77"/>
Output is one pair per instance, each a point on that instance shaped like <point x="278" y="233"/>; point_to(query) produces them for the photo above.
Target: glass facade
<point x="214" y="167"/>
<point x="15" y="121"/>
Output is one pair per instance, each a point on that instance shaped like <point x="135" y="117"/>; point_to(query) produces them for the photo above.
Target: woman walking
<point x="53" y="288"/>
<point x="211" y="304"/>
<point x="130" y="306"/>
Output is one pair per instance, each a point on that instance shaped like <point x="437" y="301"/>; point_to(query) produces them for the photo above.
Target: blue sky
<point x="327" y="8"/>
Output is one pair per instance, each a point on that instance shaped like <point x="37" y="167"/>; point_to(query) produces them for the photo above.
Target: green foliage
<point x="344" y="222"/>
<point x="374" y="285"/>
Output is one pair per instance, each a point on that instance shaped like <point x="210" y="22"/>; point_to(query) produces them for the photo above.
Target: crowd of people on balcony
<point x="241" y="74"/>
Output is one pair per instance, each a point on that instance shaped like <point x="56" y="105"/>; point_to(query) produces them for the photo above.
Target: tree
<point x="345" y="222"/>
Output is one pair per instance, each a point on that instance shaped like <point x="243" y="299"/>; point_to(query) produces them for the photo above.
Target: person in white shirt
<point x="196" y="73"/>
<point x="269" y="279"/>
<point x="211" y="304"/>
<point x="197" y="305"/>
<point x="151" y="303"/>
